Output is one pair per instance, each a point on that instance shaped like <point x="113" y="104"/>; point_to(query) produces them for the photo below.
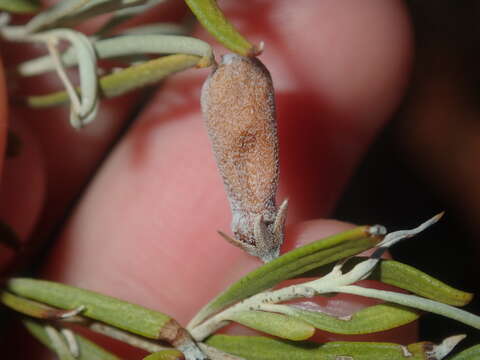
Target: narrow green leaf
<point x="149" y="73"/>
<point x="262" y="348"/>
<point x="25" y="306"/>
<point x="126" y="80"/>
<point x="19" y="6"/>
<point x="471" y="353"/>
<point x="165" y="355"/>
<point x="285" y="327"/>
<point x="120" y="314"/>
<point x="289" y="265"/>
<point x="369" y="320"/>
<point x="48" y="100"/>
<point x="88" y="350"/>
<point x="408" y="278"/>
<point x="213" y="20"/>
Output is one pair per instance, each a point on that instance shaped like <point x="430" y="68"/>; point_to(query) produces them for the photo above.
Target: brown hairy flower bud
<point x="239" y="109"/>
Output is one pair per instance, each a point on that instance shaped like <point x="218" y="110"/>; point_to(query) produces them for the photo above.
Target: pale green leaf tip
<point x="441" y="350"/>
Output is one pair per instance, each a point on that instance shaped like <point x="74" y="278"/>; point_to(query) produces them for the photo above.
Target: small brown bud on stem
<point x="239" y="109"/>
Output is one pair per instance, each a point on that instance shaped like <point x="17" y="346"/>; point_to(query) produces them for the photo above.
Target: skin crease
<point x="144" y="230"/>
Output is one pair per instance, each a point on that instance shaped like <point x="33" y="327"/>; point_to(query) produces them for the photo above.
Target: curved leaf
<point x="291" y="264"/>
<point x="83" y="108"/>
<point x="213" y="20"/>
<point x="285" y="327"/>
<point x="408" y="278"/>
<point x="369" y="320"/>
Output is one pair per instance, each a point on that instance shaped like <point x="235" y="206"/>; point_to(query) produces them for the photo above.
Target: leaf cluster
<point x="256" y="301"/>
